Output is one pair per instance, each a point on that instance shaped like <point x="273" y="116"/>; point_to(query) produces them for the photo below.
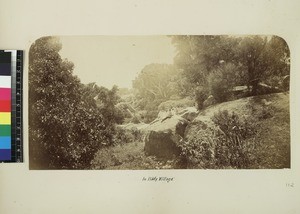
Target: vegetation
<point x="259" y="140"/>
<point x="69" y="121"/>
<point x="235" y="146"/>
<point x="79" y="126"/>
<point x="155" y="84"/>
<point x="217" y="63"/>
<point x="230" y="145"/>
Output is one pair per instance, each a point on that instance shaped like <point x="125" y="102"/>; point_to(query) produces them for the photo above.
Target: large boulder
<point x="189" y="113"/>
<point x="163" y="144"/>
<point x="163" y="137"/>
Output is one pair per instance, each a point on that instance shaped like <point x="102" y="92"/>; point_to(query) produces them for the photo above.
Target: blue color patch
<point x="5" y="142"/>
<point x="5" y="154"/>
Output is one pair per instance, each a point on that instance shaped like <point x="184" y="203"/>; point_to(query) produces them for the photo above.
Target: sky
<point x="115" y="60"/>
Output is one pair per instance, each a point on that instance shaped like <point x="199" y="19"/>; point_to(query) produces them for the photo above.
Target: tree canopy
<point x="258" y="58"/>
<point x="66" y="126"/>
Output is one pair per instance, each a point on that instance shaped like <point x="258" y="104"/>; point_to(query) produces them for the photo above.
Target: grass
<point x="274" y="134"/>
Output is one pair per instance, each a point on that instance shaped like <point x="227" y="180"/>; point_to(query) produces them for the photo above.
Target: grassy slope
<point x="274" y="134"/>
<point x="271" y="111"/>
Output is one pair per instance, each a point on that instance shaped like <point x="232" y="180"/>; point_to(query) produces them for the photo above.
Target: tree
<point x="259" y="57"/>
<point x="279" y="62"/>
<point x="197" y="56"/>
<point x="222" y="80"/>
<point x="263" y="57"/>
<point x="66" y="127"/>
<point x="156" y="81"/>
<point x="253" y="56"/>
<point x="154" y="84"/>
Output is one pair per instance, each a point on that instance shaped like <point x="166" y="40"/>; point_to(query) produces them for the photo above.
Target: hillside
<point x="194" y="143"/>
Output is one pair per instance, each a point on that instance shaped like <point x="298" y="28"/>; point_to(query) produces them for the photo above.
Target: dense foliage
<point x="231" y="144"/>
<point x="69" y="121"/>
<point x="155" y="84"/>
<point x="214" y="64"/>
<point x="235" y="146"/>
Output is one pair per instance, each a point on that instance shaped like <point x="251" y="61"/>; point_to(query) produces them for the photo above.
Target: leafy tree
<point x="279" y="61"/>
<point x="253" y="56"/>
<point x="263" y="57"/>
<point x="256" y="57"/>
<point x="156" y="81"/>
<point x="222" y="80"/>
<point x="155" y="84"/>
<point x="198" y="55"/>
<point x="66" y="127"/>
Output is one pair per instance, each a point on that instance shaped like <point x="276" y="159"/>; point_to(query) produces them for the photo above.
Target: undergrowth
<point x="230" y="144"/>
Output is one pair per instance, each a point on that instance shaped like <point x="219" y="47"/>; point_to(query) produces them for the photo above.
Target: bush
<point x="231" y="144"/>
<point x="122" y="137"/>
<point x="117" y="155"/>
<point x="201" y="94"/>
<point x="235" y="145"/>
<point x="66" y="125"/>
<point x="222" y="80"/>
<point x="198" y="152"/>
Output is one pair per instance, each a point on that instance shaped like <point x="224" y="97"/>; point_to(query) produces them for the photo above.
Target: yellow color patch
<point x="5" y="118"/>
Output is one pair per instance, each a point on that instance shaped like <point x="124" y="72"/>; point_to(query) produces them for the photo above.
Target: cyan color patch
<point x="5" y="142"/>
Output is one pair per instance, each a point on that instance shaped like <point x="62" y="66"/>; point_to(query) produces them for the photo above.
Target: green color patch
<point x="5" y="130"/>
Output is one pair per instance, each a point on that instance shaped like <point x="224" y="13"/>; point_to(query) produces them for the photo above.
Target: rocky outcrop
<point x="189" y="113"/>
<point x="163" y="144"/>
<point x="163" y="137"/>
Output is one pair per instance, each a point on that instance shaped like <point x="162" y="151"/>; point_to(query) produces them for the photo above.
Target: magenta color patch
<point x="5" y="94"/>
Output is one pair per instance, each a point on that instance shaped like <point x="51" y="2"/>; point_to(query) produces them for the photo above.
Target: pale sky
<point x="114" y="60"/>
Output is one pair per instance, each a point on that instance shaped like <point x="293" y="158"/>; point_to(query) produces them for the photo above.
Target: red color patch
<point x="5" y="106"/>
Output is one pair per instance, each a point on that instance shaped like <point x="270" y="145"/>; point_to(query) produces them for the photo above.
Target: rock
<point x="162" y="144"/>
<point x="240" y="91"/>
<point x="163" y="137"/>
<point x="189" y="113"/>
<point x="209" y="101"/>
<point x="263" y="88"/>
<point x="178" y="103"/>
<point x="200" y="128"/>
<point x="180" y="128"/>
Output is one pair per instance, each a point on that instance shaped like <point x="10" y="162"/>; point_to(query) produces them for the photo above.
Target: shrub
<point x="118" y="155"/>
<point x="122" y="137"/>
<point x="201" y="94"/>
<point x="231" y="144"/>
<point x="222" y="80"/>
<point x="235" y="145"/>
<point x="66" y="125"/>
<point x="198" y="152"/>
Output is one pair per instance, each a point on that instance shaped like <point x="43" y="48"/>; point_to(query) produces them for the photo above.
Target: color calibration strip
<point x="11" y="67"/>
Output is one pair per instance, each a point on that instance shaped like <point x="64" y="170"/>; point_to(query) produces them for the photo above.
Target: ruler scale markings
<point x="14" y="82"/>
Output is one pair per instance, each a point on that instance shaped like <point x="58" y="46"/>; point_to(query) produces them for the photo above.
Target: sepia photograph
<point x="159" y="102"/>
